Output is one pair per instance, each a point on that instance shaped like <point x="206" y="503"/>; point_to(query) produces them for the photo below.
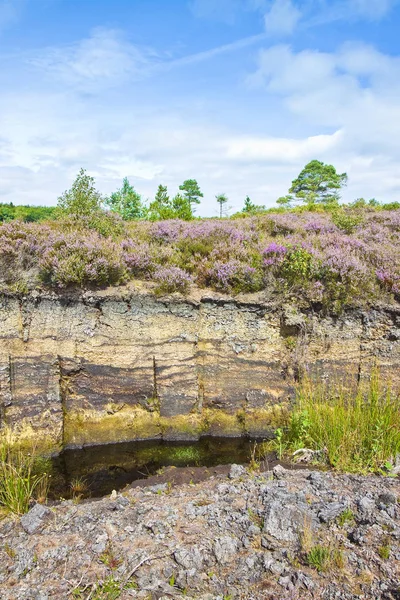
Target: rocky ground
<point x="282" y="534"/>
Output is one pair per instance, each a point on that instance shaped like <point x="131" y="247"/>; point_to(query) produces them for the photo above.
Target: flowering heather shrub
<point x="233" y="276"/>
<point x="335" y="259"/>
<point x="76" y="260"/>
<point x="274" y="254"/>
<point x="172" y="279"/>
<point x="137" y="257"/>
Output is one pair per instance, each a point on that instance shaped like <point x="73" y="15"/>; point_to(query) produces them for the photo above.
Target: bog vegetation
<point x="350" y="431"/>
<point x="310" y="246"/>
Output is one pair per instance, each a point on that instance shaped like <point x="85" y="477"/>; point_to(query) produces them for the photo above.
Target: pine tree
<point x="127" y="202"/>
<point x="191" y="192"/>
<point x="221" y="199"/>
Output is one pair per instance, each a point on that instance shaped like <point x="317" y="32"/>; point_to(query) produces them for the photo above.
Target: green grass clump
<point x="347" y="516"/>
<point x="352" y="432"/>
<point x="384" y="552"/>
<point x="324" y="558"/>
<point x="20" y="480"/>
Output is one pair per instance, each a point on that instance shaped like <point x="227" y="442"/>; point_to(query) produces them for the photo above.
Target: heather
<point x="330" y="257"/>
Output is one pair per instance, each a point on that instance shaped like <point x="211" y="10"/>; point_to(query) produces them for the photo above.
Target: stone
<point x="189" y="558"/>
<point x="285" y="518"/>
<point x="156" y="489"/>
<point x="36" y="518"/>
<point x="387" y="498"/>
<point x="225" y="549"/>
<point x="236" y="471"/>
<point x="279" y="472"/>
<point x="331" y="511"/>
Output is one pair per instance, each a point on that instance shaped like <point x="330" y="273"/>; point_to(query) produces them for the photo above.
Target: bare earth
<point x="235" y="535"/>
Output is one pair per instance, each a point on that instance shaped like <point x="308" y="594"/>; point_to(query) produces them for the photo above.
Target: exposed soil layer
<point x="121" y="364"/>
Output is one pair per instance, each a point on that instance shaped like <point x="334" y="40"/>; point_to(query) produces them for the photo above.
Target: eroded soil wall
<point x="106" y="366"/>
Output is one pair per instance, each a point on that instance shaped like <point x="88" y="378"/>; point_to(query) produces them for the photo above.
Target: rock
<point x="331" y="511"/>
<point x="36" y="518"/>
<point x="100" y="543"/>
<point x="236" y="471"/>
<point x="157" y="489"/>
<point x="284" y="518"/>
<point x="286" y="582"/>
<point x="189" y="558"/>
<point x="387" y="498"/>
<point x="279" y="472"/>
<point x="366" y="508"/>
<point x="120" y="503"/>
<point x="273" y="566"/>
<point x="225" y="549"/>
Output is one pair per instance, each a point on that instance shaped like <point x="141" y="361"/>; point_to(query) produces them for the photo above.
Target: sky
<point x="238" y="94"/>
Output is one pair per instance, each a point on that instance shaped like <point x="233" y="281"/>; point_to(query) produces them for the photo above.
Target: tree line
<point x="317" y="184"/>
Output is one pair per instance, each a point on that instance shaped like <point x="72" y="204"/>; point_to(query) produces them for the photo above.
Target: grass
<point x="352" y="432"/>
<point x="324" y="558"/>
<point x="21" y="480"/>
<point x="347" y="516"/>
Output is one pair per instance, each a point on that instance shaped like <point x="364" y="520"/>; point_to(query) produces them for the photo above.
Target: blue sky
<point x="239" y="94"/>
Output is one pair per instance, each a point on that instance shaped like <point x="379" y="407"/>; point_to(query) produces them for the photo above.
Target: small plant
<point x="347" y="516"/>
<point x="384" y="550"/>
<point x="254" y="463"/>
<point x="78" y="486"/>
<point x="172" y="279"/>
<point x="9" y="551"/>
<point x="109" y="559"/>
<point x="323" y="558"/>
<point x="319" y="557"/>
<point x="255" y="518"/>
<point x="352" y="432"/>
<point x="19" y="480"/>
<point x="306" y="538"/>
<point x="279" y="443"/>
<point x="290" y="342"/>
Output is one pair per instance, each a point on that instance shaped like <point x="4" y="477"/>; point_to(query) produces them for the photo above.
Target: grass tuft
<point x="21" y="480"/>
<point x="354" y="433"/>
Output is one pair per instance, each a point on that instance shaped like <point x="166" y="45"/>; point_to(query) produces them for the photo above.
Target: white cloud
<point x="371" y="9"/>
<point x="282" y="17"/>
<point x="103" y="60"/>
<point x="356" y="90"/>
<point x="282" y="150"/>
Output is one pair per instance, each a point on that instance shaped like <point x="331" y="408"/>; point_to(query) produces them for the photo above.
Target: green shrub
<point x="297" y="266"/>
<point x="347" y="222"/>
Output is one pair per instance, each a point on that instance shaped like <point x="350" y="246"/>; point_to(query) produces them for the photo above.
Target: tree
<point x="221" y="199"/>
<point x="127" y="202"/>
<point x="191" y="191"/>
<point x="161" y="208"/>
<point x="285" y="201"/>
<point x="318" y="183"/>
<point x="82" y="199"/>
<point x="250" y="208"/>
<point x="182" y="207"/>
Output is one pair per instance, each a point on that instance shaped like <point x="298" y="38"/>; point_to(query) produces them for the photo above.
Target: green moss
<point x="266" y="419"/>
<point x="185" y="426"/>
<point x="129" y="423"/>
<point x="218" y="422"/>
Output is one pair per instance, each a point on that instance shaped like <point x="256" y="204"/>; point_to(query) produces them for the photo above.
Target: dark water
<point x="113" y="466"/>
